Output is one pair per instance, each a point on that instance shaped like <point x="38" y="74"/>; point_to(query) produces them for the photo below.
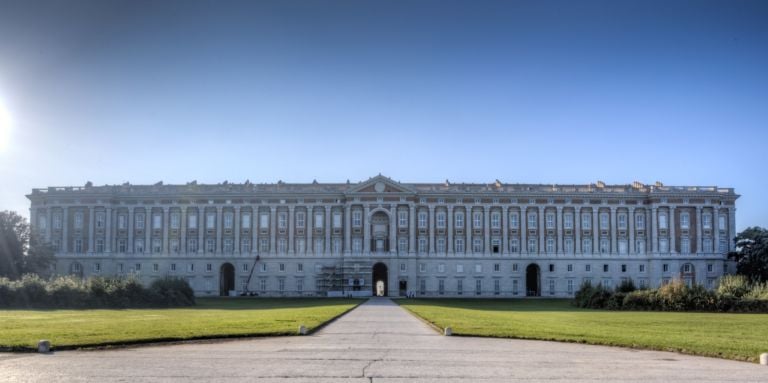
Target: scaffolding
<point x="349" y="277"/>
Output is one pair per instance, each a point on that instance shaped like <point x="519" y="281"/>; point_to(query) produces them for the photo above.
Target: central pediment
<point x="380" y="184"/>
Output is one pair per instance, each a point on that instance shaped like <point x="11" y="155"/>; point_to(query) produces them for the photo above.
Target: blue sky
<point x="421" y="91"/>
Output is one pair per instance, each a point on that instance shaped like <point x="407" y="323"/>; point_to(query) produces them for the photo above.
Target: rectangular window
<point x="300" y="219"/>
<point x="665" y="268"/>
<point x="155" y="267"/>
<point x="300" y="245"/>
<point x="422" y="218"/>
<point x="570" y="286"/>
<point x="99" y="221"/>
<point x="586" y="245"/>
<point x="403" y="268"/>
<point x="640" y="221"/>
<point x="137" y="267"/>
<point x="210" y="245"/>
<point x="459" y="245"/>
<point x="623" y="246"/>
<point x="402" y="219"/>
<point x="623" y="268"/>
<point x="551" y="287"/>
<point x="210" y="221"/>
<point x="228" y="248"/>
<point x="550" y="221"/>
<point x="192" y="245"/>
<point x="721" y="222"/>
<point x="337" y="220"/>
<point x="515" y="267"/>
<point x="641" y="268"/>
<point x="441" y="268"/>
<point x="57" y="221"/>
<point x="281" y="284"/>
<point x="604" y="246"/>
<point x="157" y="221"/>
<point x="586" y="221"/>
<point x="706" y="221"/>
<point x="402" y="245"/>
<point x="550" y="245"/>
<point x="440" y="245"/>
<point x="685" y="245"/>
<point x="282" y="245"/>
<point x="300" y="268"/>
<point x="622" y="220"/>
<point x="531" y="221"/>
<point x="281" y="267"/>
<point x="441" y="286"/>
<point x="282" y="220"/>
<point x="640" y="246"/>
<point x="192" y="221"/>
<point x="122" y="246"/>
<point x="569" y="245"/>
<point x="710" y="267"/>
<point x="357" y="245"/>
<point x="440" y="218"/>
<point x="78" y="220"/>
<point x="423" y="286"/>
<point x="228" y="220"/>
<point x="477" y="220"/>
<point x="477" y="245"/>
<point x="99" y="245"/>
<point x="514" y="221"/>
<point x="495" y="220"/>
<point x="459" y="268"/>
<point x="357" y="218"/>
<point x="422" y="245"/>
<point x="121" y="222"/>
<point x="263" y="285"/>
<point x="157" y="245"/>
<point x="532" y="245"/>
<point x="264" y="220"/>
<point x="478" y="286"/>
<point x="603" y="221"/>
<point x="568" y="221"/>
<point x="514" y="287"/>
<point x="246" y="221"/>
<point x="551" y="267"/>
<point x="707" y="245"/>
<point x="588" y="268"/>
<point x="496" y="267"/>
<point x="605" y="268"/>
<point x="460" y="286"/>
<point x="514" y="245"/>
<point x="570" y="267"/>
<point x="319" y="220"/>
<point x="172" y="267"/>
<point x="459" y="220"/>
<point x="175" y="219"/>
<point x="685" y="221"/>
<point x="300" y="285"/>
<point x="663" y="221"/>
<point x="319" y="245"/>
<point x="245" y="245"/>
<point x="97" y="267"/>
<point x="263" y="268"/>
<point x="422" y="268"/>
<point x="138" y="246"/>
<point x="663" y="245"/>
<point x="478" y="268"/>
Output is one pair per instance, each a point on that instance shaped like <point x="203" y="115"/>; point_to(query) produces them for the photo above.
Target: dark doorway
<point x="532" y="282"/>
<point x="226" y="279"/>
<point x="380" y="280"/>
<point x="403" y="288"/>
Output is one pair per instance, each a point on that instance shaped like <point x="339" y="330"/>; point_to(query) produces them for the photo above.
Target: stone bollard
<point x="448" y="331"/>
<point x="764" y="359"/>
<point x="302" y="330"/>
<point x="44" y="346"/>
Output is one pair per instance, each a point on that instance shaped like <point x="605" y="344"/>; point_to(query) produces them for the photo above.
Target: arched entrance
<point x="688" y="274"/>
<point x="380" y="280"/>
<point x="380" y="232"/>
<point x="226" y="279"/>
<point x="532" y="280"/>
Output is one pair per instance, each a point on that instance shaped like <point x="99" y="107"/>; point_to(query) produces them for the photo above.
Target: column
<point x="200" y="229"/>
<point x="393" y="229"/>
<point x="291" y="228"/>
<point x="698" y="230"/>
<point x="328" y="229"/>
<point x="731" y="228"/>
<point x="49" y="227"/>
<point x="219" y="229"/>
<point x="272" y="229"/>
<point x="147" y="230"/>
<point x="595" y="231"/>
<point x="255" y="220"/>
<point x="577" y="230"/>
<point x="108" y="235"/>
<point x="366" y="230"/>
<point x="309" y="224"/>
<point x="541" y="231"/>
<point x="183" y="231"/>
<point x="505" y="230"/>
<point x="559" y="218"/>
<point x="130" y="229"/>
<point x="523" y="230"/>
<point x="431" y="227"/>
<point x="449" y="223"/>
<point x="715" y="230"/>
<point x="487" y="230"/>
<point x="614" y="230"/>
<point x="411" y="228"/>
<point x="166" y="229"/>
<point x="631" y="218"/>
<point x="648" y="219"/>
<point x="347" y="228"/>
<point x="468" y="231"/>
<point x="91" y="229"/>
<point x="672" y="235"/>
<point x="65" y="230"/>
<point x="237" y="218"/>
<point x="654" y="229"/>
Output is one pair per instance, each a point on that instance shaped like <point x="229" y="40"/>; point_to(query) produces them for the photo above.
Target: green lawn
<point x="211" y="318"/>
<point x="731" y="336"/>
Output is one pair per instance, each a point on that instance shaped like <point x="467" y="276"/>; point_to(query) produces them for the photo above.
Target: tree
<point x="751" y="253"/>
<point x="20" y="251"/>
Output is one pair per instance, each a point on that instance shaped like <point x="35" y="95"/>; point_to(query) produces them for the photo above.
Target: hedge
<point x="734" y="294"/>
<point x="31" y="291"/>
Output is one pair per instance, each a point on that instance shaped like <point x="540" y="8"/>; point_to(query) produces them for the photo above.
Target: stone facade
<point x="446" y="239"/>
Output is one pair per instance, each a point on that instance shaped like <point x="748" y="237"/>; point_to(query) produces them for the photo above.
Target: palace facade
<point x="390" y="238"/>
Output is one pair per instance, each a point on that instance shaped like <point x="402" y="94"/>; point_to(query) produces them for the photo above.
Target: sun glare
<point x="5" y="128"/>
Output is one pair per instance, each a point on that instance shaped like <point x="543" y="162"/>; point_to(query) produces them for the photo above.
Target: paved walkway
<point x="377" y="342"/>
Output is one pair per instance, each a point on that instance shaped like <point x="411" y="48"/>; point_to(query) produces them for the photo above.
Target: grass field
<point x="730" y="336"/>
<point x="211" y="318"/>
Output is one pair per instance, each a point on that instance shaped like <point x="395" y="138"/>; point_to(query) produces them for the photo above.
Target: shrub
<point x="172" y="291"/>
<point x="733" y="285"/>
<point x="626" y="286"/>
<point x="29" y="290"/>
<point x="68" y="291"/>
<point x="640" y="300"/>
<point x="616" y="301"/>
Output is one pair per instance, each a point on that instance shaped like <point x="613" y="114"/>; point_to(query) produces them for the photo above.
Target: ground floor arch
<point x="226" y="279"/>
<point x="533" y="280"/>
<point x="380" y="276"/>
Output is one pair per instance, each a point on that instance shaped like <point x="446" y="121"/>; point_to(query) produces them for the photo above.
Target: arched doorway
<point x="532" y="280"/>
<point x="226" y="279"/>
<point x="380" y="280"/>
<point x="380" y="232"/>
<point x="688" y="274"/>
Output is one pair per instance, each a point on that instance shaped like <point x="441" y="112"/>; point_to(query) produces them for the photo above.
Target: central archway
<point x="532" y="280"/>
<point x="226" y="279"/>
<point x="379" y="280"/>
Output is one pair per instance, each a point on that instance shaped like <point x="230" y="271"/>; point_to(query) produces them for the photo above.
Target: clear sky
<point x="421" y="91"/>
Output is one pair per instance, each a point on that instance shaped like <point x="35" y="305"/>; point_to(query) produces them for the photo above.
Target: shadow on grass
<point x="524" y="304"/>
<point x="219" y="303"/>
